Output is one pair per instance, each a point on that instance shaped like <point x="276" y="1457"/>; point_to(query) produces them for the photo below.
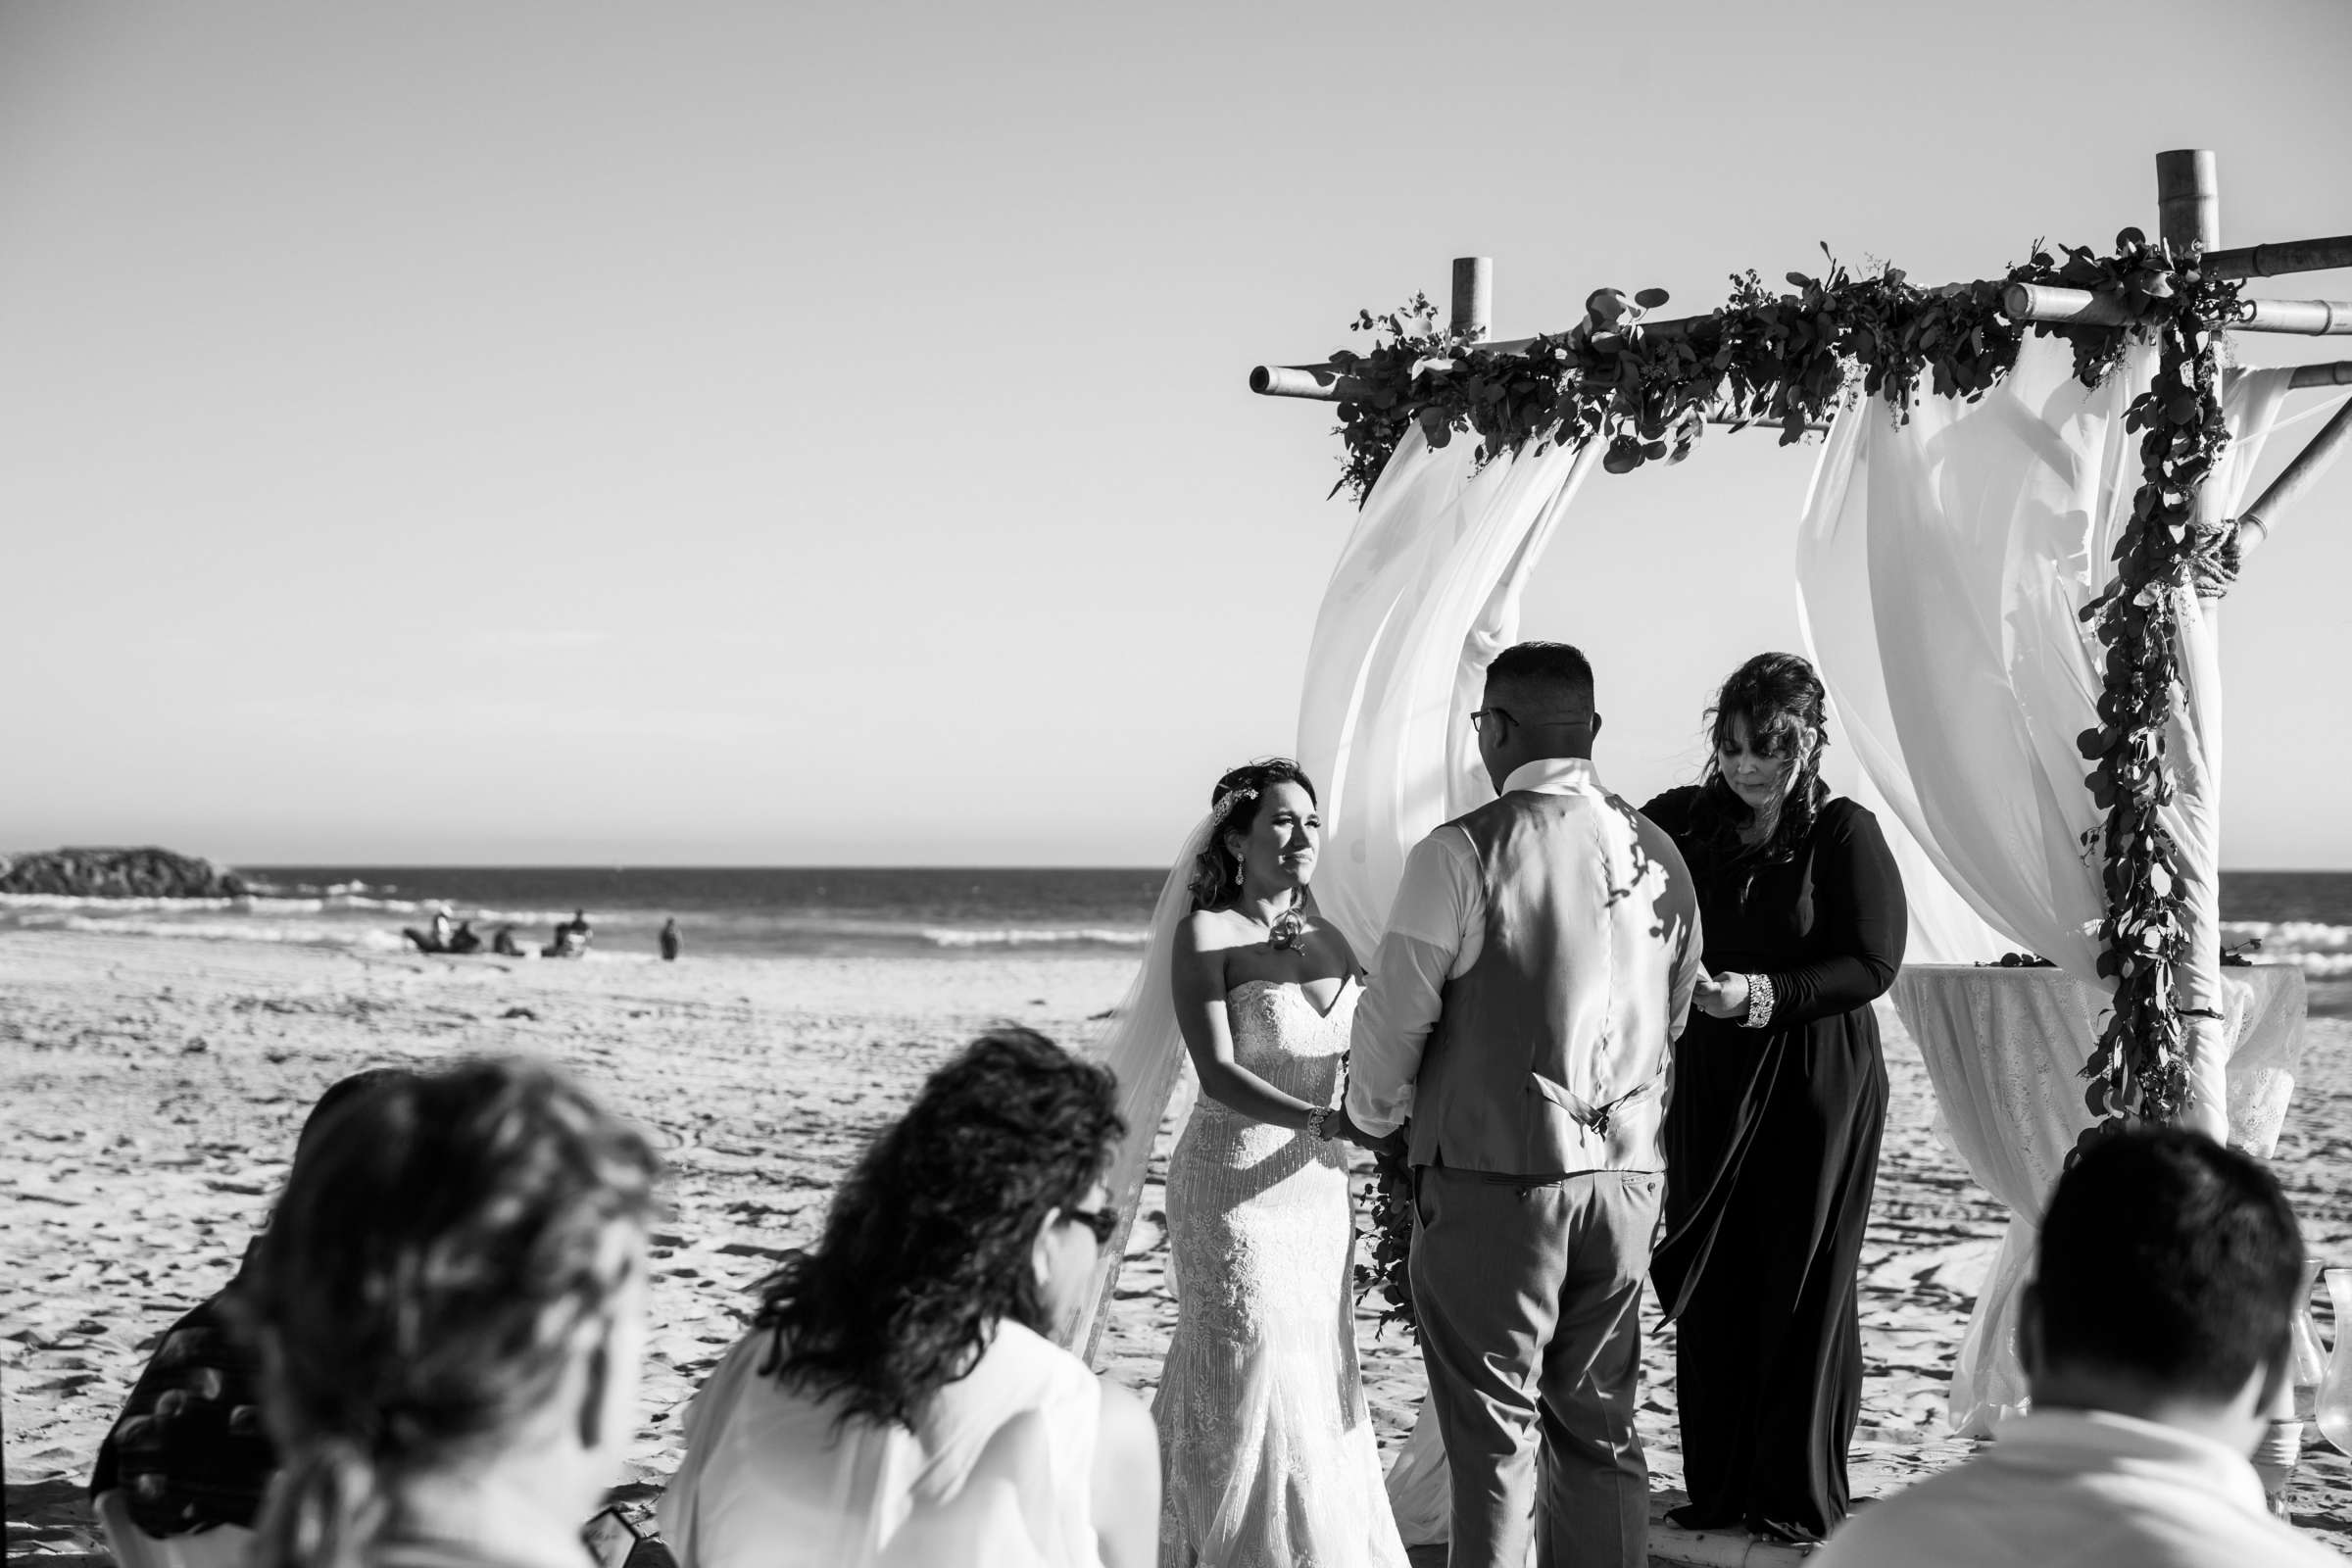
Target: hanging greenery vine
<point x="1646" y="388"/>
<point x="2164" y="555"/>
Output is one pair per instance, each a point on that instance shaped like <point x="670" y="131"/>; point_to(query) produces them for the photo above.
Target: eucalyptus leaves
<point x="2140" y="1069"/>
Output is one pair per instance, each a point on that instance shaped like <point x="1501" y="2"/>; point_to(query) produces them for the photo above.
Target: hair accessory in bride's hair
<point x="1226" y="802"/>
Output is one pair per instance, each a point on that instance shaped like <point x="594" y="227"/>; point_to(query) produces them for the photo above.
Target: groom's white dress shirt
<point x="2079" y="1489"/>
<point x="1634" y="996"/>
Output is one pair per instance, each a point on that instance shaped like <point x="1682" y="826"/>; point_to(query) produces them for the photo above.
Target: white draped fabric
<point x="1942" y="567"/>
<point x="2005" y="1048"/>
<point x="1425" y="593"/>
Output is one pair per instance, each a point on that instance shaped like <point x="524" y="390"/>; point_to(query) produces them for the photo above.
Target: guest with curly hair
<point x="1780" y="1097"/>
<point x="901" y="1369"/>
<point x="449" y="1306"/>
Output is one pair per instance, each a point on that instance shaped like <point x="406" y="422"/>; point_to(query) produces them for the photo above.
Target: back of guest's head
<point x="439" y="1257"/>
<point x="931" y="1242"/>
<point x="1555" y="674"/>
<point x="340" y="1094"/>
<point x="2168" y="1261"/>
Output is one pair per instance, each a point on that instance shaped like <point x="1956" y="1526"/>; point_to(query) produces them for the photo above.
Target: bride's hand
<point x="1722" y="995"/>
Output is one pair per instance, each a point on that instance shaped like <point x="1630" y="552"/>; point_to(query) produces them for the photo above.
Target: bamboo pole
<point x="2288" y="255"/>
<point x="2042" y="302"/>
<point x="2308" y="376"/>
<point x="2188" y="213"/>
<point x="1323" y="383"/>
<point x="1473" y="295"/>
<point x="2298" y="476"/>
<point x="2189" y="200"/>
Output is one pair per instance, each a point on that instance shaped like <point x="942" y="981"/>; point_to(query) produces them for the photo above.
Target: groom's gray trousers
<point x="1528" y="1293"/>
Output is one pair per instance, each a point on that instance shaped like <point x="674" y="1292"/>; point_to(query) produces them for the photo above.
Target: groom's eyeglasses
<point x="1101" y="1221"/>
<point x="1479" y="717"/>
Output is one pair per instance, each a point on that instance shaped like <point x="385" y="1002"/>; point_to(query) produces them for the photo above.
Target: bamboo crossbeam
<point x="2337" y="372"/>
<point x="2298" y="476"/>
<point x="2288" y="255"/>
<point x="2041" y="302"/>
<point x="1323" y="383"/>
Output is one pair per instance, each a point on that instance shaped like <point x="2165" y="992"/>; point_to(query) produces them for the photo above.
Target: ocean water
<point x="2299" y="917"/>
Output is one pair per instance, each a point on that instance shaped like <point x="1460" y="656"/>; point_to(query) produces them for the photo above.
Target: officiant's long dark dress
<point x="1772" y="1149"/>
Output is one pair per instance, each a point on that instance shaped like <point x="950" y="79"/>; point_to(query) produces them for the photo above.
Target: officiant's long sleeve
<point x="1621" y="991"/>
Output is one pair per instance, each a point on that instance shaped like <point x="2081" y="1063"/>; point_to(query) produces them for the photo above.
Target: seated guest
<point x="188" y="1454"/>
<point x="504" y="945"/>
<point x="903" y="1363"/>
<point x="2153" y="1338"/>
<point x="449" y="1307"/>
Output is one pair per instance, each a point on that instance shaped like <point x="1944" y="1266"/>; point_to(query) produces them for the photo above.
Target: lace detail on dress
<point x="1264" y="1435"/>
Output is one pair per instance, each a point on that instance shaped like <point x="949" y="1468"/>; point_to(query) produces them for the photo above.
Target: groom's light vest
<point x="1552" y="1051"/>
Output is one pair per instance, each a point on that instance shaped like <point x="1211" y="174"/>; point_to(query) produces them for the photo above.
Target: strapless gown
<point x="1264" y="1438"/>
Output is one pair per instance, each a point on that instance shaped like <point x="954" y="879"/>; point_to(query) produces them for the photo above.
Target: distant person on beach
<point x="572" y="938"/>
<point x="441" y="929"/>
<point x="669" y="940"/>
<point x="189" y="1453"/>
<point x="450" y="1304"/>
<point x="463" y="940"/>
<point x="502" y="943"/>
<point x="897" y="1399"/>
<point x="2153" y="1338"/>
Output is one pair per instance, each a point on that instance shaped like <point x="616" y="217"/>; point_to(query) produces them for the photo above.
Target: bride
<point x="1268" y="1445"/>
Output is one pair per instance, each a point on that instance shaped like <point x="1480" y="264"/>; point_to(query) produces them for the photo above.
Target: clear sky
<point x="773" y="433"/>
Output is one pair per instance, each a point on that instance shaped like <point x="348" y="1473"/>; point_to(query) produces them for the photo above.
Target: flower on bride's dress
<point x="1288" y="931"/>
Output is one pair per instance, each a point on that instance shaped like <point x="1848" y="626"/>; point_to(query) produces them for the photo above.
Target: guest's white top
<point x="1439" y="928"/>
<point x="769" y="1479"/>
<point x="2081" y="1489"/>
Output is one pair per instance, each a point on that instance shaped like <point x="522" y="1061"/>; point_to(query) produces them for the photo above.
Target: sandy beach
<point x="154" y="1088"/>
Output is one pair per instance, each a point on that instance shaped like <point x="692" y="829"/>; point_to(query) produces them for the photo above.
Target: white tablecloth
<point x="2005" y="1050"/>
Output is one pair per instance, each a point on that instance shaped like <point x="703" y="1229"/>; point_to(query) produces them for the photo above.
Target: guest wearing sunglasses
<point x="898" y="1399"/>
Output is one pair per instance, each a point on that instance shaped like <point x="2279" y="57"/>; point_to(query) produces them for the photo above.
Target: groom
<point x="1537" y="965"/>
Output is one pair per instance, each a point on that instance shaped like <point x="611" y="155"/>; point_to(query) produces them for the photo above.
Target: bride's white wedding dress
<point x="1264" y="1433"/>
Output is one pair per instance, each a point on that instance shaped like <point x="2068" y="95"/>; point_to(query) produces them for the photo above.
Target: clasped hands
<point x="1340" y="1125"/>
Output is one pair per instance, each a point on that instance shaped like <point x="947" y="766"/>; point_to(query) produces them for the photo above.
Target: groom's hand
<point x="1343" y="1126"/>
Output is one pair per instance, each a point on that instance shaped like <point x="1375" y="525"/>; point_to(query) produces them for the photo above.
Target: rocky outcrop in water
<point x="119" y="874"/>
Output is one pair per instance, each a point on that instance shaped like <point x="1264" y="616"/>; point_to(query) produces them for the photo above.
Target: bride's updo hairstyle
<point x="417" y="1297"/>
<point x="1786" y="709"/>
<point x="1234" y="805"/>
<point x="927" y="1245"/>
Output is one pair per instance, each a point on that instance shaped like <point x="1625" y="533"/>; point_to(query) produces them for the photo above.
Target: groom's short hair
<point x="1555" y="672"/>
<point x="2169" y="1259"/>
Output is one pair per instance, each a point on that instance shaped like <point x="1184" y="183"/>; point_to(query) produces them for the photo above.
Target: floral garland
<point x="2140" y="1069"/>
<point x="1792" y="359"/>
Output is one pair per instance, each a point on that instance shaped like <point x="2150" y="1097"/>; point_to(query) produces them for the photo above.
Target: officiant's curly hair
<point x="418" y="1294"/>
<point x="1786" y="709"/>
<point x="1241" y="792"/>
<point x="928" y="1243"/>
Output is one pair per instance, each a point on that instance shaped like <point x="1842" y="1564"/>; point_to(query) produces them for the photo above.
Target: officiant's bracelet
<point x="1759" y="1002"/>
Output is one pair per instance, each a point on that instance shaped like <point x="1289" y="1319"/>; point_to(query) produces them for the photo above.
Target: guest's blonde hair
<point x="418" y="1291"/>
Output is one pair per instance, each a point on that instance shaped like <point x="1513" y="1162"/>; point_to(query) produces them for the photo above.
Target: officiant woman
<point x="1780" y="1097"/>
